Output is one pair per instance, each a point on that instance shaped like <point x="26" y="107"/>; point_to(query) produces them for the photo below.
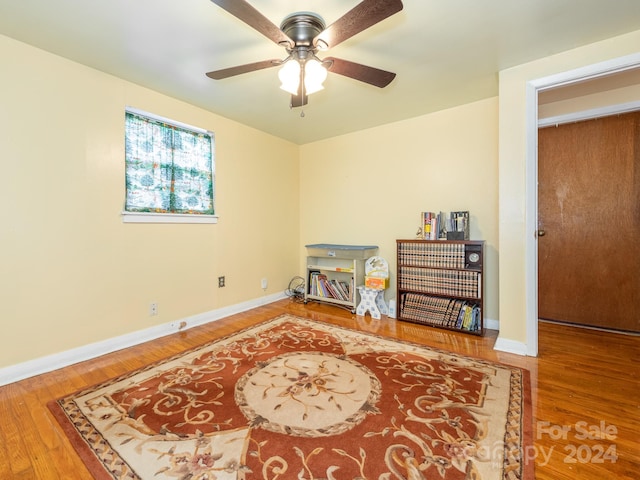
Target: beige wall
<point x="369" y="187"/>
<point x="515" y="234"/>
<point x="71" y="272"/>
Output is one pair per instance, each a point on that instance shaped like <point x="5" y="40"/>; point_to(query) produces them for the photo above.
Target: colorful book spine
<point x="441" y="312"/>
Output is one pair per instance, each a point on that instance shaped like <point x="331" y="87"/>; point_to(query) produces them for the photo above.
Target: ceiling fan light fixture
<point x="303" y="35"/>
<point x="314" y="76"/>
<point x="289" y="76"/>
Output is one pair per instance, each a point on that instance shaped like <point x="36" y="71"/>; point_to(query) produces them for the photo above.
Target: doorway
<point x="532" y="89"/>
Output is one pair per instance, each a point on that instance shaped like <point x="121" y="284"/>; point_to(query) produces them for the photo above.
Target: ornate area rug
<point x="298" y="399"/>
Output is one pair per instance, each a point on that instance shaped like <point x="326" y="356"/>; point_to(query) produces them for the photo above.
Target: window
<point x="169" y="171"/>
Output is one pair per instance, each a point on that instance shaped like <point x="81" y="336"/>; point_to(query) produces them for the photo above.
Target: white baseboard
<point x="491" y="324"/>
<point x="504" y="344"/>
<point x="49" y="363"/>
<point x="510" y="346"/>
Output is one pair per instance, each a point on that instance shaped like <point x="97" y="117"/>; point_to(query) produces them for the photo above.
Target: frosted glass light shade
<point x="289" y="76"/>
<point x="314" y="75"/>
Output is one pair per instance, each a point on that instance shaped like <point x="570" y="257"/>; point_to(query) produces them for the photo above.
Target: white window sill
<point x="140" y="217"/>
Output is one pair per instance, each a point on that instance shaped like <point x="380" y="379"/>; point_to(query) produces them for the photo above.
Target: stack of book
<point x="441" y="312"/>
<point x="457" y="283"/>
<point x="441" y="255"/>
<point x="321" y="286"/>
<point x="445" y="225"/>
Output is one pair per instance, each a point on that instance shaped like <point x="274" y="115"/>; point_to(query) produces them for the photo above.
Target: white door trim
<point x="531" y="171"/>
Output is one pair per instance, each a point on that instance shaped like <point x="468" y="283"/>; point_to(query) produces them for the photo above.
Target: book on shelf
<point x="445" y="225"/>
<point x="312" y="283"/>
<point x="441" y="281"/>
<point x="344" y="269"/>
<point x="445" y="254"/>
<point x="322" y="286"/>
<point x="425" y="225"/>
<point x="459" y="223"/>
<point x="441" y="312"/>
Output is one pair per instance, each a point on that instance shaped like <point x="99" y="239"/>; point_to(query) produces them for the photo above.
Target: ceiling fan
<point x="303" y="35"/>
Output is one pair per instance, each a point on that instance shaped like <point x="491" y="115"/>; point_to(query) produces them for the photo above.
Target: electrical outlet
<point x="264" y="283"/>
<point x="153" y="309"/>
<point x="220" y="282"/>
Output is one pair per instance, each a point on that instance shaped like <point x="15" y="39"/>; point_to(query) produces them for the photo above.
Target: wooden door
<point x="589" y="210"/>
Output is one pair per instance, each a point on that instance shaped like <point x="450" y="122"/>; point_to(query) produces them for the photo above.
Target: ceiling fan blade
<point x="363" y="73"/>
<point x="359" y="18"/>
<point x="252" y="17"/>
<point x="240" y="69"/>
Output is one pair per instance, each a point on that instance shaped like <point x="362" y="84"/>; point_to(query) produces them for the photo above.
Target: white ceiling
<point x="445" y="52"/>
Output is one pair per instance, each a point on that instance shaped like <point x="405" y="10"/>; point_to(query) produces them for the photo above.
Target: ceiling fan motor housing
<point x="302" y="27"/>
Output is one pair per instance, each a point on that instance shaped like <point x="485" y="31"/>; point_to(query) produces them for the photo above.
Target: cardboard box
<point x="376" y="283"/>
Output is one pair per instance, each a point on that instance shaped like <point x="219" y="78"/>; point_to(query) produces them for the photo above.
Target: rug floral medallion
<point x="299" y="399"/>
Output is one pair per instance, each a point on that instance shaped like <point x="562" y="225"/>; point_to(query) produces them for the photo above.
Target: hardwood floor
<point x="585" y="394"/>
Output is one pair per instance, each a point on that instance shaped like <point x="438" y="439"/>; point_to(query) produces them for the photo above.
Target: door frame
<point x="531" y="169"/>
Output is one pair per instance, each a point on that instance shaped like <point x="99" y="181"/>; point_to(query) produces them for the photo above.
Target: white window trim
<point x="145" y="217"/>
<point x="168" y="121"/>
